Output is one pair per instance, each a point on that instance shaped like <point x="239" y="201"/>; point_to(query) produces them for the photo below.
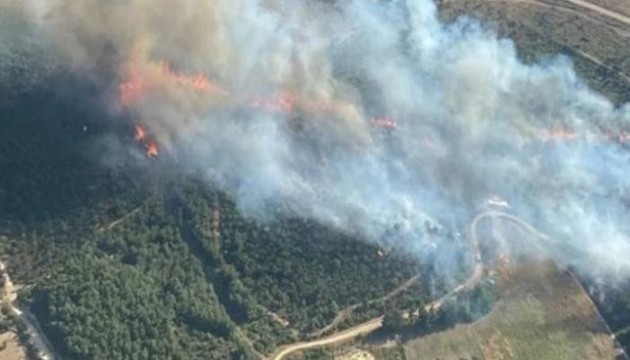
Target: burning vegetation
<point x="149" y="144"/>
<point x="135" y="86"/>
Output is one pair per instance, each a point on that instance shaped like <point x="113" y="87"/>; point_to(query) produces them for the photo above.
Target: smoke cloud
<point x="295" y="103"/>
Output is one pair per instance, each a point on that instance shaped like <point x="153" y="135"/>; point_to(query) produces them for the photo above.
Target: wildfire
<point x="139" y="133"/>
<point x="558" y="134"/>
<point x="198" y="82"/>
<point x="131" y="90"/>
<point x="564" y="134"/>
<point x="152" y="149"/>
<point x="151" y="146"/>
<point x="135" y="86"/>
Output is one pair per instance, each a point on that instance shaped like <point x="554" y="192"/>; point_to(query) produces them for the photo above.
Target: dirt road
<point x="347" y="312"/>
<point x="361" y="329"/>
<point x="37" y="337"/>
<point x="584" y="4"/>
<point x="376" y="323"/>
<point x="600" y="10"/>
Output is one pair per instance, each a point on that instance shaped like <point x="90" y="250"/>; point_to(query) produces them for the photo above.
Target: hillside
<point x="543" y="313"/>
<point x="162" y="267"/>
<point x="121" y="256"/>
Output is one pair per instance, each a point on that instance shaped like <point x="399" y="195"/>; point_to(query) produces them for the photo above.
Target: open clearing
<point x="355" y="354"/>
<point x="10" y="348"/>
<point x="543" y="314"/>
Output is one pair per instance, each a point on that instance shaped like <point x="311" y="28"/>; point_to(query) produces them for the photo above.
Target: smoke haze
<point x="299" y="107"/>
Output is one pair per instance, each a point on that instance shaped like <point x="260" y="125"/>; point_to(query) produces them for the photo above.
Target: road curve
<point x="585" y="5"/>
<point x="355" y="331"/>
<point x="345" y="313"/>
<point x="603" y="11"/>
<point x="37" y="337"/>
<point x="376" y="323"/>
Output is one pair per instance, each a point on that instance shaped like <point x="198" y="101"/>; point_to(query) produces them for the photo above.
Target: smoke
<point x="292" y="88"/>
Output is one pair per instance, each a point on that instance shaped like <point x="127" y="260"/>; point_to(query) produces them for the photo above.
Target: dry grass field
<point x="543" y="314"/>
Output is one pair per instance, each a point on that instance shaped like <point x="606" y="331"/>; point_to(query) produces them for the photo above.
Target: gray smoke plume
<point x="288" y="117"/>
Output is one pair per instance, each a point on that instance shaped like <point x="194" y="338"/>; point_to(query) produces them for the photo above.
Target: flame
<point x="151" y="146"/>
<point x="139" y="133"/>
<point x="564" y="134"/>
<point x="561" y="133"/>
<point x="134" y="86"/>
<point x="198" y="82"/>
<point x="152" y="149"/>
<point x="131" y="90"/>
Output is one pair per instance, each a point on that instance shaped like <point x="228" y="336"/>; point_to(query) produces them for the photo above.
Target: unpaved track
<point x="600" y="10"/>
<point x="376" y="323"/>
<point x="624" y="19"/>
<point x="37" y="337"/>
<point x="558" y="6"/>
<point x="361" y="329"/>
<point x="345" y="313"/>
<point x="119" y="220"/>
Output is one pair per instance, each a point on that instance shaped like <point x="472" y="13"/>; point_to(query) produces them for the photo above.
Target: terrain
<point x="543" y="313"/>
<point x="121" y="262"/>
<point x="112" y="257"/>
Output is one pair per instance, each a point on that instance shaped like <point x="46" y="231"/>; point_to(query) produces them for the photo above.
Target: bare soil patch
<point x="10" y="347"/>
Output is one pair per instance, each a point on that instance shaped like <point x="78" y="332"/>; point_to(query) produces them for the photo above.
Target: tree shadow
<point x="51" y="141"/>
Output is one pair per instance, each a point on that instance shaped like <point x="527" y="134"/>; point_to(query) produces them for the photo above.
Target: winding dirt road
<point x="347" y="312"/>
<point x="376" y="323"/>
<point x="584" y="4"/>
<point x="600" y="10"/>
<point x="345" y="335"/>
<point x="37" y="337"/>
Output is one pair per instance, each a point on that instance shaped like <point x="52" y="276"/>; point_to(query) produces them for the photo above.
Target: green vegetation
<point x="542" y="313"/>
<point x="614" y="304"/>
<point x="600" y="55"/>
<point x="121" y="264"/>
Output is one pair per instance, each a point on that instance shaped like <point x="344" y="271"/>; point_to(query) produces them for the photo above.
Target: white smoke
<point x="467" y="112"/>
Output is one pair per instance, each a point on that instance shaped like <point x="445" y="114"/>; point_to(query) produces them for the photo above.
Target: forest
<point x="126" y="260"/>
<point x="122" y="258"/>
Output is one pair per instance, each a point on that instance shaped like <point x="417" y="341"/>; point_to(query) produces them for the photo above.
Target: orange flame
<point x="131" y="90"/>
<point x="134" y="87"/>
<point x="152" y="149"/>
<point x="560" y="133"/>
<point x="198" y="82"/>
<point x="139" y="133"/>
<point x="149" y="144"/>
